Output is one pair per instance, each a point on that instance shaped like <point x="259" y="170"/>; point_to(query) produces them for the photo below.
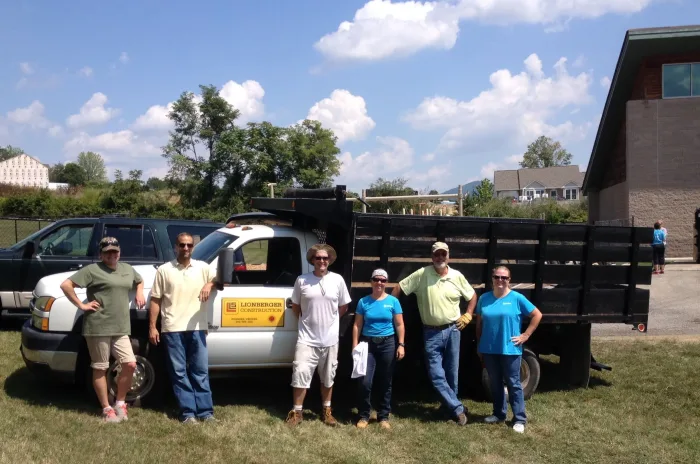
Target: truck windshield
<point x="31" y="237"/>
<point x="207" y="249"/>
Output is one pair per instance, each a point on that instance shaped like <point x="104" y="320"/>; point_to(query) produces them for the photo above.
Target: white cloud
<point x="113" y="145"/>
<point x="86" y="71"/>
<point x="246" y="98"/>
<point x="32" y="115"/>
<point x="26" y="68"/>
<point x="432" y="174"/>
<point x="428" y="157"/>
<point x="55" y="131"/>
<point x="124" y="57"/>
<point x="514" y="111"/>
<point x="579" y="62"/>
<point x="393" y="155"/>
<point x="605" y="82"/>
<point x="92" y="112"/>
<point x="155" y="118"/>
<point x="382" y="28"/>
<point x="345" y="114"/>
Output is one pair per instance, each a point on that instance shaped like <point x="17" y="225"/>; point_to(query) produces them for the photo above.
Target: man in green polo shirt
<point x="439" y="289"/>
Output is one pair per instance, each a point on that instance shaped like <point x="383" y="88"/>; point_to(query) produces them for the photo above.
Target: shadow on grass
<point x="551" y="379"/>
<point x="23" y="385"/>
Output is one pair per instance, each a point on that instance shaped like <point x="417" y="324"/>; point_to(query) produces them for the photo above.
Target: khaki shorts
<point x="309" y="358"/>
<point x="100" y="348"/>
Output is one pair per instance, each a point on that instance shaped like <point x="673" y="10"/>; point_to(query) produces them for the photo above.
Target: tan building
<point x="645" y="163"/>
<point x="557" y="183"/>
<point x="24" y="170"/>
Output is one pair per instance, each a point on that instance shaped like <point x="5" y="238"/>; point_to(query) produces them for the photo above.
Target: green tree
<point x="193" y="147"/>
<point x="545" y="152"/>
<point x="484" y="191"/>
<point x="9" y="151"/>
<point x="313" y="154"/>
<point x="56" y="173"/>
<point x="74" y="175"/>
<point x="156" y="183"/>
<point x="94" y="166"/>
<point x="389" y="188"/>
<point x="268" y="158"/>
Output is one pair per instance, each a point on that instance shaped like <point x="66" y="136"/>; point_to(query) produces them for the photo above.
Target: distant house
<point x="560" y="183"/>
<point x="24" y="170"/>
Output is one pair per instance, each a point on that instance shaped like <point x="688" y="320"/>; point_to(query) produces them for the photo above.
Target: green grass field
<point x="647" y="410"/>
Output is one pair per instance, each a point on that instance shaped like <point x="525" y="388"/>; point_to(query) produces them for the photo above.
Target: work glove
<point x="463" y="321"/>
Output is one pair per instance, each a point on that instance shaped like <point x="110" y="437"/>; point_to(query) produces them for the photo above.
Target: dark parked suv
<point x="69" y="244"/>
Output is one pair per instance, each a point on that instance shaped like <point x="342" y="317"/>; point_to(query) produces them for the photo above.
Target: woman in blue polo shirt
<point x="379" y="318"/>
<point x="499" y="317"/>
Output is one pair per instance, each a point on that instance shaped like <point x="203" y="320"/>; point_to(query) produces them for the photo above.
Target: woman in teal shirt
<point x="499" y="316"/>
<point x="379" y="318"/>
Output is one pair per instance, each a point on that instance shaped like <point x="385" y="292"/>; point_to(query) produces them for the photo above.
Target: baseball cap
<point x="380" y="273"/>
<point x="109" y="244"/>
<point x="440" y="246"/>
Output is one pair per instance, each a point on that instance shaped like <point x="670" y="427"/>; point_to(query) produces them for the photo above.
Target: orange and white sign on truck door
<point x="252" y="312"/>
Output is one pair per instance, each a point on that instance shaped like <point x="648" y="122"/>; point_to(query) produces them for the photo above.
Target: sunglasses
<point x="321" y="258"/>
<point x="109" y="243"/>
<point x="186" y="245"/>
<point x="497" y="277"/>
<point x="378" y="280"/>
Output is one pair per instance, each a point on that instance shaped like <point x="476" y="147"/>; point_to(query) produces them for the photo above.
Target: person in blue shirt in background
<point x="499" y="317"/>
<point x="379" y="318"/>
<point x="658" y="246"/>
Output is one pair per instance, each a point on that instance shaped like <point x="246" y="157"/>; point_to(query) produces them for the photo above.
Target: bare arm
<point x="357" y="330"/>
<point x="535" y="318"/>
<point x="400" y="334"/>
<point x="140" y="299"/>
<point x="342" y="310"/>
<point x="297" y="310"/>
<point x="471" y="305"/>
<point x="153" y="311"/>
<point x="68" y="287"/>
<point x="396" y="291"/>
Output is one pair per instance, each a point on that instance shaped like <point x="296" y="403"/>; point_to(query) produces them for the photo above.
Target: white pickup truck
<point x="251" y="323"/>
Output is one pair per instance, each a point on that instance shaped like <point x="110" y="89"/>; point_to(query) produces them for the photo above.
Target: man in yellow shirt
<point x="179" y="293"/>
<point x="439" y="289"/>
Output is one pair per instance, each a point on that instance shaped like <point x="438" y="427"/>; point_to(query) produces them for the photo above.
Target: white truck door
<point x="252" y="322"/>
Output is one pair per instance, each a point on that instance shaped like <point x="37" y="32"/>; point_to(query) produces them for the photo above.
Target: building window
<point x="681" y="80"/>
<point x="571" y="194"/>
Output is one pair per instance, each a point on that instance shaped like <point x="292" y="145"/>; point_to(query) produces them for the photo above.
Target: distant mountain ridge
<point x="466" y="188"/>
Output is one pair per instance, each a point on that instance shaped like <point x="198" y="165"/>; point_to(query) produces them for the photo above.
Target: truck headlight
<point x="44" y="303"/>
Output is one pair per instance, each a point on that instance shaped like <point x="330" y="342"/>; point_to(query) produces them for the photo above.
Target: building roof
<point x="553" y="177"/>
<point x="28" y="156"/>
<point x="637" y="45"/>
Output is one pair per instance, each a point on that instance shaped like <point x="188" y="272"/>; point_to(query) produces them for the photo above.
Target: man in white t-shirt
<point x="319" y="300"/>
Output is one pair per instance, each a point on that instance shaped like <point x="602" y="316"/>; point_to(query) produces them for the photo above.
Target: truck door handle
<point x="75" y="268"/>
<point x="289" y="303"/>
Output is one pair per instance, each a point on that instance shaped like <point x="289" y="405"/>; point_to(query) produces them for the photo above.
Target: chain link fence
<point x="14" y="229"/>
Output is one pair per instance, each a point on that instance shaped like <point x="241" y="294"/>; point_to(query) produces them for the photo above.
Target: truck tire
<point x="147" y="383"/>
<point x="530" y="374"/>
<point x="575" y="355"/>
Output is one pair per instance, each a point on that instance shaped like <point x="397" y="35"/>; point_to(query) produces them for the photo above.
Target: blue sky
<point x="438" y="92"/>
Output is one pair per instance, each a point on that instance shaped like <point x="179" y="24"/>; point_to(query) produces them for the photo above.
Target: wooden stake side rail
<point x="588" y="289"/>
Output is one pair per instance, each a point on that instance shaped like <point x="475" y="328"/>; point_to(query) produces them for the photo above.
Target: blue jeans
<point x="442" y="358"/>
<point x="381" y="359"/>
<point x="188" y="366"/>
<point x="506" y="368"/>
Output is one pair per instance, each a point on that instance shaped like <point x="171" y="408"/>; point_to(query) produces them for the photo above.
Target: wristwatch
<point x="402" y="344"/>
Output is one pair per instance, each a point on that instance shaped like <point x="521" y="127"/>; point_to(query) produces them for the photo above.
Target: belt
<point x="376" y="340"/>
<point x="439" y="327"/>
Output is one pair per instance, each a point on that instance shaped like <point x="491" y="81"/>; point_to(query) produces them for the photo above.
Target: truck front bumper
<point x="50" y="354"/>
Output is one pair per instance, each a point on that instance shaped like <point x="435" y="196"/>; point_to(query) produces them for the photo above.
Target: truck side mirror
<point x="224" y="267"/>
<point x="29" y="249"/>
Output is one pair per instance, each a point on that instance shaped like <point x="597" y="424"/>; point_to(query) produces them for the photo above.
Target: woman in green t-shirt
<point x="106" y="321"/>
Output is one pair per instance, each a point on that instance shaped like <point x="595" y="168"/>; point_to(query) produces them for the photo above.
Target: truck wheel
<point x="530" y="374"/>
<point x="147" y="382"/>
<point x="575" y="355"/>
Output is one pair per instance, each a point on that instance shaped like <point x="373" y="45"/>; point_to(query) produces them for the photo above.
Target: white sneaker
<point x="520" y="428"/>
<point x="492" y="420"/>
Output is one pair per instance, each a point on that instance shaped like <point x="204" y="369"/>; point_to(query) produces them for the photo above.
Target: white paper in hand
<point x="359" y="360"/>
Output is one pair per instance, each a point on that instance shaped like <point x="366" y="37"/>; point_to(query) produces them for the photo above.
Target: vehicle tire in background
<point x="147" y="385"/>
<point x="530" y="374"/>
<point x="575" y="355"/>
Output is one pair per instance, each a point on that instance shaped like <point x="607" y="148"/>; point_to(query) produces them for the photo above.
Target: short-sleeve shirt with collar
<point x="438" y="296"/>
<point x="178" y="288"/>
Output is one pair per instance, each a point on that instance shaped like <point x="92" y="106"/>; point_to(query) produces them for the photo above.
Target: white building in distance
<point x="25" y="171"/>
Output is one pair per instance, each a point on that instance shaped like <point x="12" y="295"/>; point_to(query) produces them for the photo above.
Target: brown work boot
<point x="362" y="424"/>
<point x="294" y="418"/>
<point x="327" y="417"/>
<point x="385" y="425"/>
